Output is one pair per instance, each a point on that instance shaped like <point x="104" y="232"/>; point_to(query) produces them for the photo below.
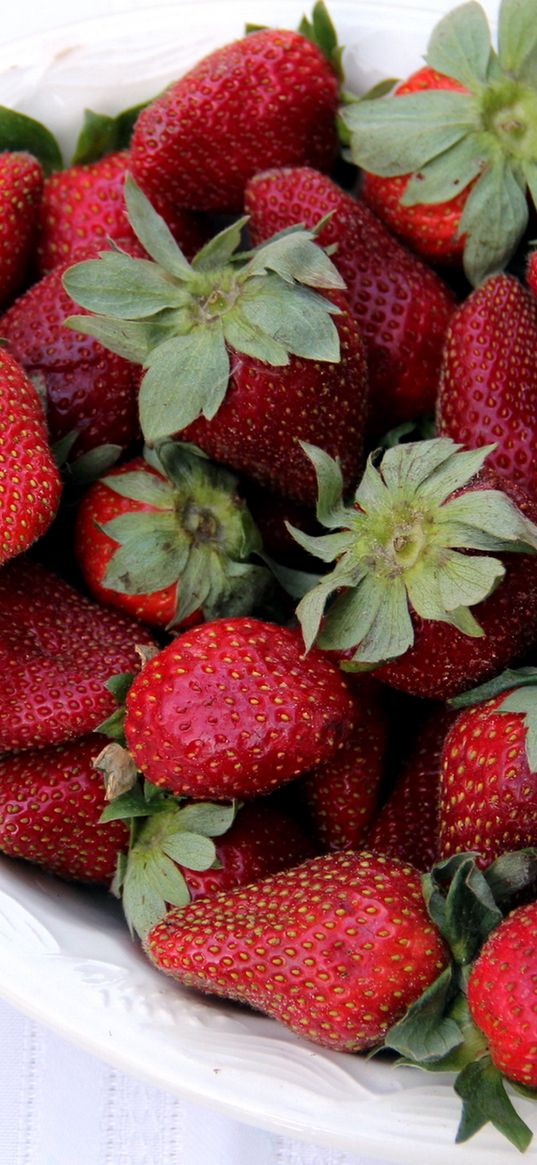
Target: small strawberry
<point x="168" y="539"/>
<point x="243" y="354"/>
<point x="58" y="649"/>
<point x="30" y="485"/>
<point x="404" y="586"/>
<point x="51" y="801"/>
<point x="488" y="382"/>
<point x="269" y="99"/>
<point x="233" y="709"/>
<point x="401" y="306"/>
<point x="341" y="795"/>
<point x="458" y="142"/>
<point x="21" y="185"/>
<point x="336" y="948"/>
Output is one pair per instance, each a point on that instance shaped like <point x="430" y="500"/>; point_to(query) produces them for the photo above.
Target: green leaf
<point x="510" y="874"/>
<point x="20" y="132"/>
<point x="447" y="175"/>
<point x="152" y="882"/>
<point x="524" y="701"/>
<point x="330" y="509"/>
<point x="129" y="339"/>
<point x="89" y="466"/>
<point x="310" y="609"/>
<point x="294" y="316"/>
<point x="426" y="1033"/>
<point x="482" y="1090"/>
<point x="141" y="486"/>
<point x="211" y="820"/>
<point x="153" y="232"/>
<point x="465" y="581"/>
<point x="127" y="805"/>
<point x="149" y="558"/>
<point x="219" y="250"/>
<point x="121" y="286"/>
<point x="102" y="134"/>
<point x="398" y="135"/>
<point x="190" y="849"/>
<point x="119" y="685"/>
<point x="494" y="219"/>
<point x="195" y="583"/>
<point x="296" y="258"/>
<point x="244" y="336"/>
<point x="517" y="38"/>
<point x="113" y="726"/>
<point x="187" y="377"/>
<point x="521" y="677"/>
<point x="488" y="520"/>
<point x="419" y="464"/>
<point x="460" y="46"/>
<point x="452" y="472"/>
<point x="62" y="447"/>
<point x="467" y="913"/>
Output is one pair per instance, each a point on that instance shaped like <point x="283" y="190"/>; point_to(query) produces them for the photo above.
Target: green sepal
<point x="122" y="286"/>
<point x="512" y="874"/>
<point x="221" y="248"/>
<point x="504" y="682"/>
<point x="120" y="684"/>
<point x="400" y="134"/>
<point x="62" y="447"/>
<point x="460" y="46"/>
<point x="141" y="487"/>
<point x="321" y="32"/>
<point x="448" y="174"/>
<point x="87" y="467"/>
<point x="20" y="132"/>
<point x="421" y="429"/>
<point x="127" y="338"/>
<point x="114" y="725"/>
<point x="102" y="134"/>
<point x="520" y="686"/>
<point x="494" y="218"/>
<point x="127" y="805"/>
<point x="517" y="39"/>
<point x="482" y="1090"/>
<point x="426" y="1033"/>
<point x="461" y="904"/>
<point x="153" y="233"/>
<point x="524" y="702"/>
<point x="186" y="377"/>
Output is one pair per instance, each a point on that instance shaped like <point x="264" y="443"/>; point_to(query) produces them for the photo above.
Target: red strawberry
<point x="30" y="485"/>
<point x="51" y="801"/>
<point x="336" y="949"/>
<point x="88" y="389"/>
<point x="267" y="100"/>
<point x="531" y="272"/>
<point x="169" y="541"/>
<point x="58" y="650"/>
<point x="405" y="594"/>
<point x="341" y="796"/>
<point x="488" y="385"/>
<point x="21" y="185"/>
<point x="84" y="206"/>
<point x="401" y="306"/>
<point x="407" y="825"/>
<point x="233" y="709"/>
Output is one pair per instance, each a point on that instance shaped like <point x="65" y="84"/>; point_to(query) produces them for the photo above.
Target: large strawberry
<point x="57" y="649"/>
<point x="488" y="383"/>
<point x="30" y="485"/>
<point x="465" y="140"/>
<point x="21" y="185"/>
<point x="404" y="587"/>
<point x="402" y="307"/>
<point x="336" y="948"/>
<point x="243" y="354"/>
<point x="168" y="539"/>
<point x="233" y="709"/>
<point x="51" y="801"/>
<point x="269" y="99"/>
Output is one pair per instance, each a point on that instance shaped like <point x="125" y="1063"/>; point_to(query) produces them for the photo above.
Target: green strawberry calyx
<point x="518" y="687"/>
<point x="448" y="140"/>
<point x="319" y="29"/>
<point x="198" y="535"/>
<point x="184" y="322"/>
<point x="401" y="547"/>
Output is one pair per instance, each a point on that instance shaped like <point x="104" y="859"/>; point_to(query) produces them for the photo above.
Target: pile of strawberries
<point x="268" y="526"/>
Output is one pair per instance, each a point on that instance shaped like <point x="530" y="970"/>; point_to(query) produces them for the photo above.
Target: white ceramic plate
<point x="65" y="955"/>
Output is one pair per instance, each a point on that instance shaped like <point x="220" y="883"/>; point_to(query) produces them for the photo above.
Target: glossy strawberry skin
<point x="88" y="388"/>
<point x="502" y="994"/>
<point x="337" y="948"/>
<point x="432" y="231"/>
<point x="51" y="801"/>
<point x="234" y="709"/>
<point x="488" y="794"/>
<point x="30" y="484"/>
<point x="488" y="383"/>
<point x="21" y="186"/>
<point x="57" y="650"/>
<point x="531" y="273"/>
<point x="401" y="306"/>
<point x="268" y="410"/>
<point x="267" y="100"/>
<point x="84" y="206"/>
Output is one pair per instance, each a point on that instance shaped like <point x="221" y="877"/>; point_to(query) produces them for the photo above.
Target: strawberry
<point x="30" y="485"/>
<point x="168" y="540"/>
<point x="488" y="383"/>
<point x="454" y="149"/>
<point x="243" y="354"/>
<point x="233" y="709"/>
<point x="58" y="649"/>
<point x="401" y="306"/>
<point x="51" y="801"/>
<point x="341" y="795"/>
<point x="403" y="590"/>
<point x="83" y="207"/>
<point x="336" y="948"/>
<point x="531" y="272"/>
<point x="21" y="185"/>
<point x="88" y="390"/>
<point x="269" y="99"/>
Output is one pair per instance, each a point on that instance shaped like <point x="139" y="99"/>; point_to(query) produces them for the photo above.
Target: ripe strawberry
<point x="168" y="541"/>
<point x="58" y="650"/>
<point x="88" y="389"/>
<point x="269" y="99"/>
<point x="407" y="825"/>
<point x="488" y="383"/>
<point x="233" y="709"/>
<point x="21" y="185"/>
<point x="531" y="272"/>
<point x="404" y="591"/>
<point x="336" y="948"/>
<point x="401" y="306"/>
<point x="84" y="206"/>
<point x="30" y="485"/>
<point x="51" y="801"/>
<point x="242" y="354"/>
<point x="341" y="795"/>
